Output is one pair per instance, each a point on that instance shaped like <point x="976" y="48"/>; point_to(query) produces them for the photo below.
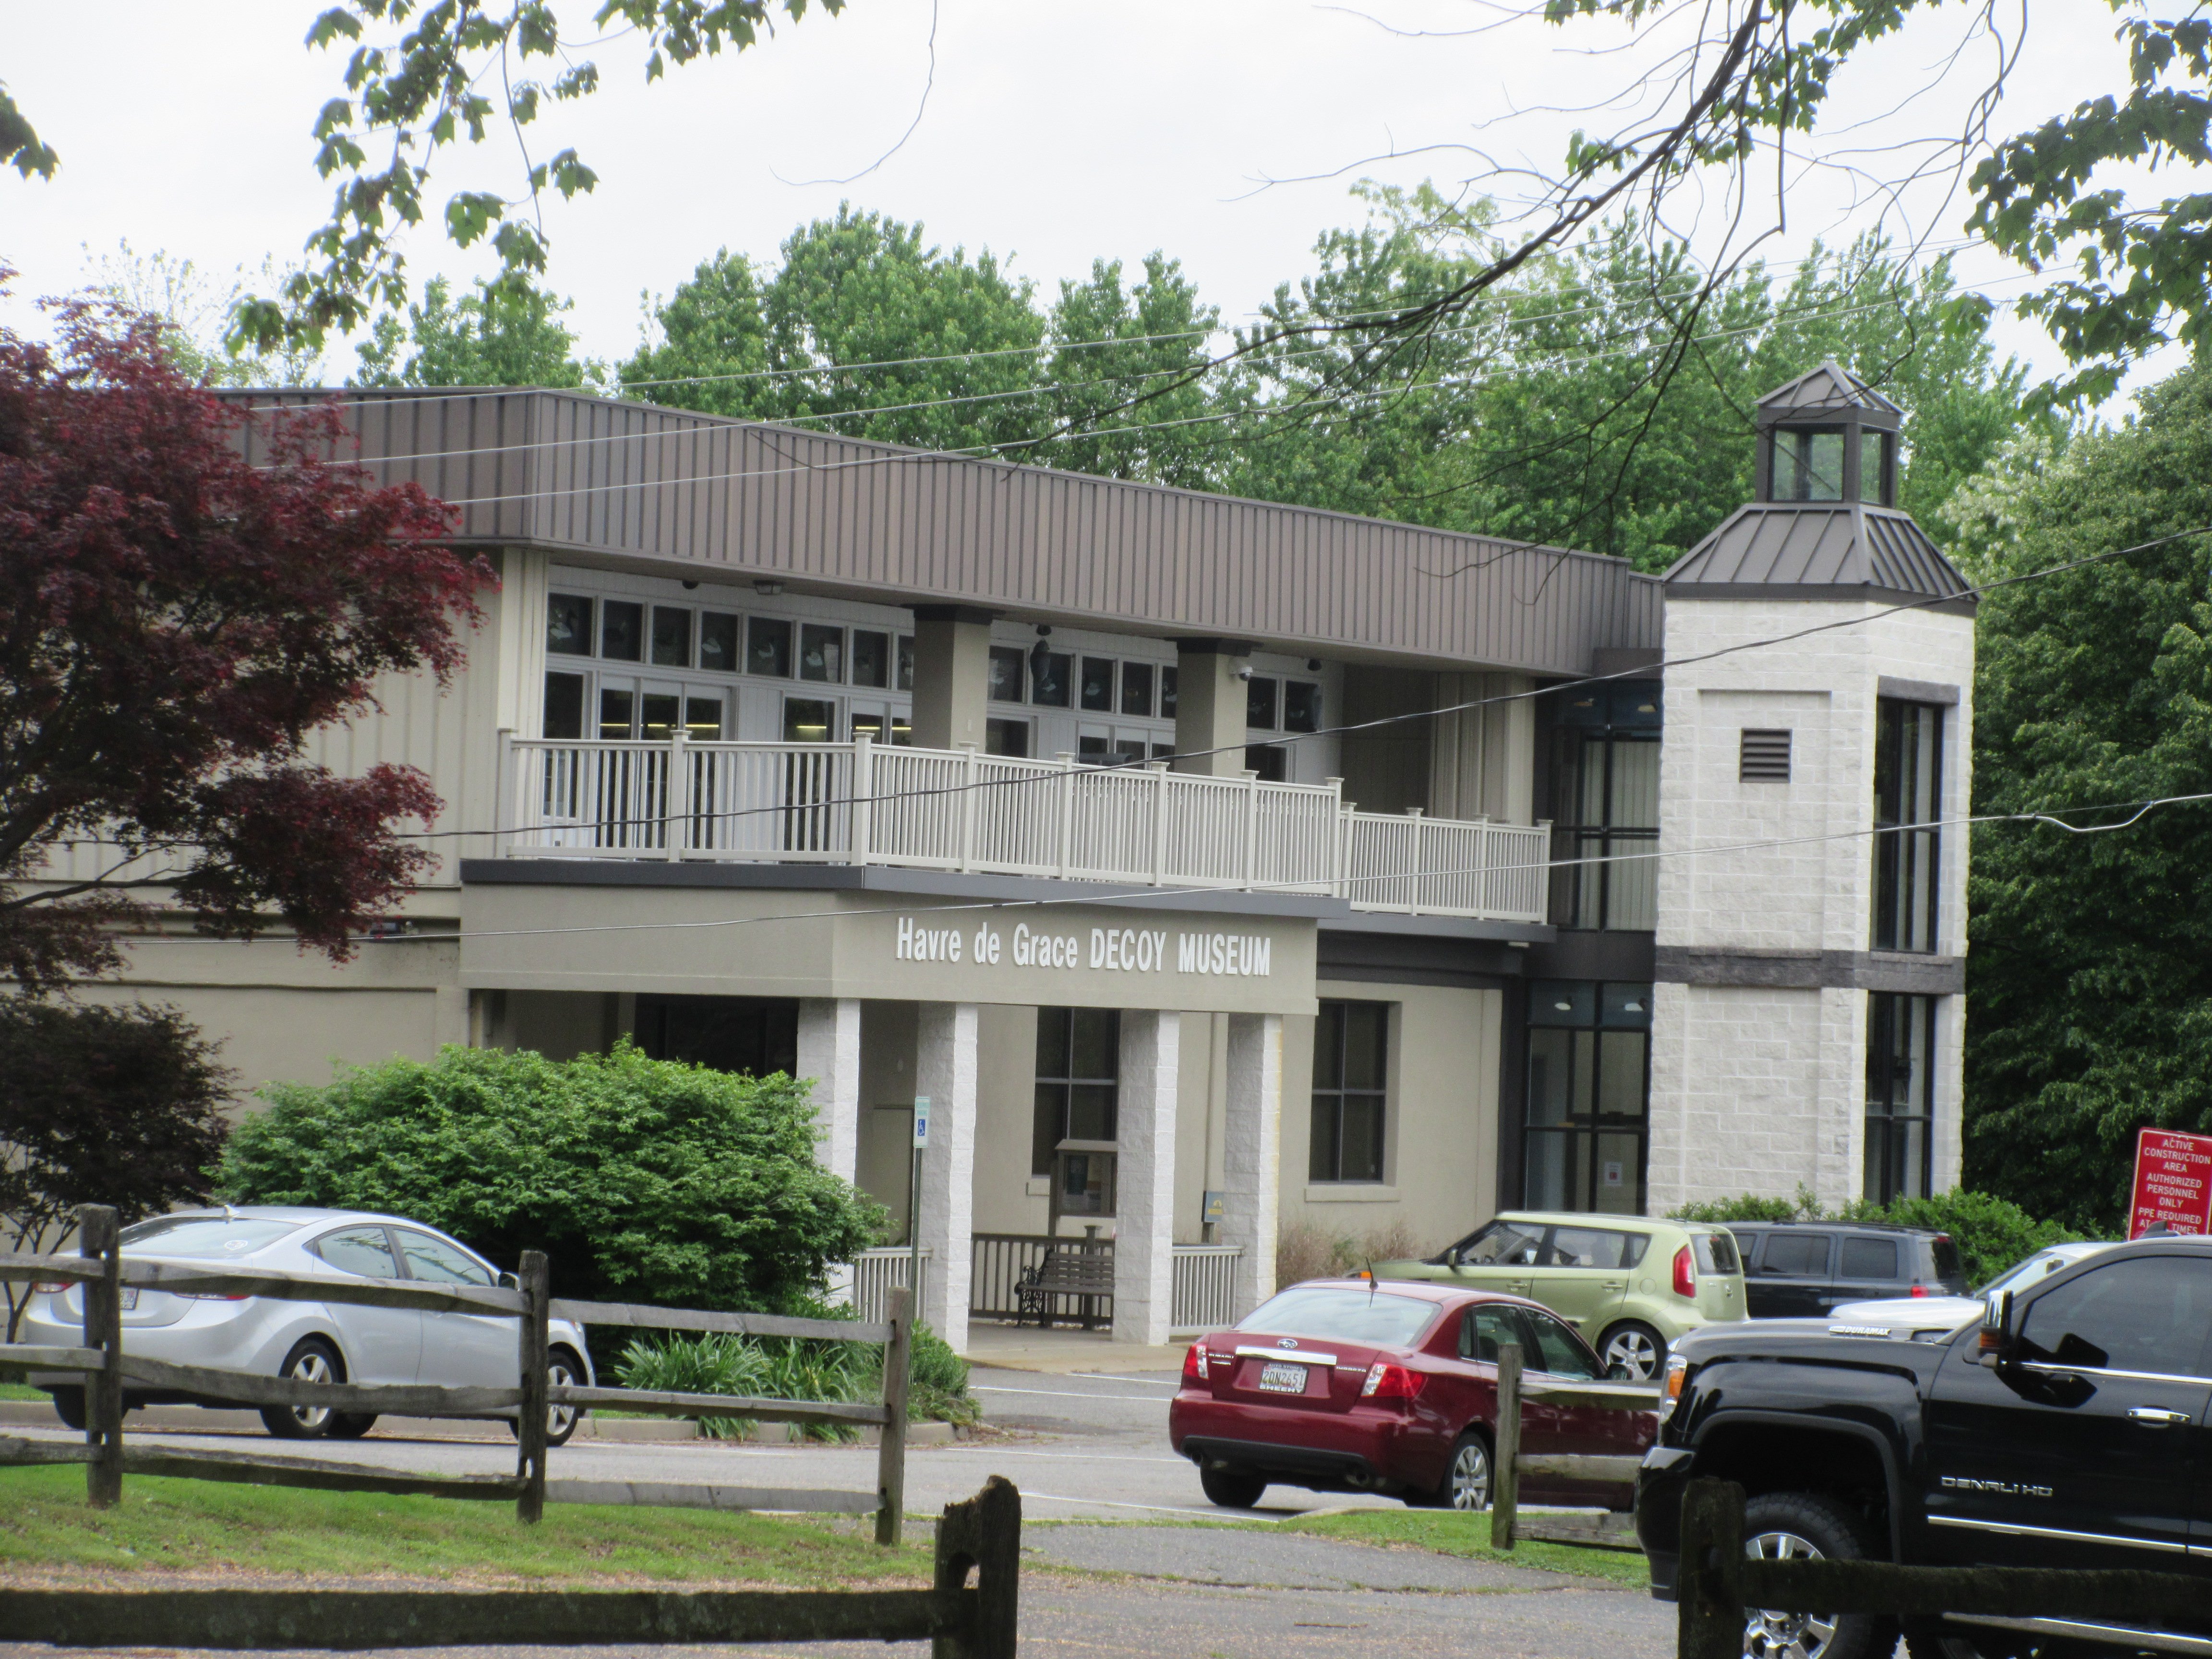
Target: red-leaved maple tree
<point x="175" y="620"/>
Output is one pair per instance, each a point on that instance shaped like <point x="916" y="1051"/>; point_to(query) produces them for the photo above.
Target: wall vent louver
<point x="1765" y="757"/>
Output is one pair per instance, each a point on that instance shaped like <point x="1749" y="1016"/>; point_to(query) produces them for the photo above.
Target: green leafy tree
<point x="961" y="336"/>
<point x="644" y="1180"/>
<point x="197" y="310"/>
<point x="1134" y="391"/>
<point x="2090" y="976"/>
<point x="1603" y="401"/>
<point x="490" y="336"/>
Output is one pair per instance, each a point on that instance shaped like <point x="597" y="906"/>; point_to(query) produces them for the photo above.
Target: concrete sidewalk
<point x="1064" y="1352"/>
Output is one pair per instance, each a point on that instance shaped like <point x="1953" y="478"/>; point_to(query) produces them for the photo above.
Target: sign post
<point x="914" y="1204"/>
<point x="2173" y="1183"/>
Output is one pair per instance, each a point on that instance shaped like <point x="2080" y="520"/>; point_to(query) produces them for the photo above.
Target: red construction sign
<point x="2173" y="1182"/>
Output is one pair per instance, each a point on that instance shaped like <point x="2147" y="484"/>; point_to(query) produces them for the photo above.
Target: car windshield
<point x="1374" y="1319"/>
<point x="1501" y="1241"/>
<point x="204" y="1236"/>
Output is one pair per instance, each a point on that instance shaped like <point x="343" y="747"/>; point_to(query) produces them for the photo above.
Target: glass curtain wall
<point x="1908" y="779"/>
<point x="1605" y="808"/>
<point x="1900" y="1096"/>
<point x="1590" y="1070"/>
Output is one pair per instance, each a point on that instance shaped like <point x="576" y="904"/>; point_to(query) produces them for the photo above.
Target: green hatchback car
<point x="1631" y="1287"/>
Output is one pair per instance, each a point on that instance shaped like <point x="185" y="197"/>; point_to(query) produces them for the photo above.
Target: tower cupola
<point x="1828" y="436"/>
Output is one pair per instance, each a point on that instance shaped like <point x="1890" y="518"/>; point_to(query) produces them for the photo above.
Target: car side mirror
<point x="510" y="1282"/>
<point x="2000" y="1338"/>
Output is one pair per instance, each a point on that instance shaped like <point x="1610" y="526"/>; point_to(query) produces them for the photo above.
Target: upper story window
<point x="1908" y="781"/>
<point x="1281" y="705"/>
<point x="1605" y="813"/>
<point x="1809" y="463"/>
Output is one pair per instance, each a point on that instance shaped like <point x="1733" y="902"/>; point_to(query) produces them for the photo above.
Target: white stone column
<point x="1144" y="1219"/>
<point x="830" y="1055"/>
<point x="951" y="675"/>
<point x="944" y="1072"/>
<point x="1252" y="1158"/>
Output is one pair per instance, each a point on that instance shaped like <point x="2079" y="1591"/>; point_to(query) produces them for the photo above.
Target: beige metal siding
<point x="598" y="479"/>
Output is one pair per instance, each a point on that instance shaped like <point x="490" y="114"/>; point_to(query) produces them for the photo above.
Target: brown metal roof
<point x="699" y="496"/>
<point x="1815" y="550"/>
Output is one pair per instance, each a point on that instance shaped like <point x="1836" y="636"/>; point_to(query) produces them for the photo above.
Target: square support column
<point x="1144" y="1221"/>
<point x="830" y="1055"/>
<point x="1210" y="707"/>
<point x="951" y="675"/>
<point x="1252" y="1156"/>
<point x="944" y="1072"/>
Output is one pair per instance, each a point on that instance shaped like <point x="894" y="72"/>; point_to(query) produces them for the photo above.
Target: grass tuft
<point x="1450" y="1532"/>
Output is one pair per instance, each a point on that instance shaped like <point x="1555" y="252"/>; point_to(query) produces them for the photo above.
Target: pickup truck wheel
<point x="1804" y="1526"/>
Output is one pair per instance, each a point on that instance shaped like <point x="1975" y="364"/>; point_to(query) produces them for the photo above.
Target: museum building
<point x="1211" y="867"/>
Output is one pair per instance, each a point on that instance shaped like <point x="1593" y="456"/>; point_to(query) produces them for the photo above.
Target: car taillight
<point x="1686" y="1273"/>
<point x="1385" y="1381"/>
<point x="1917" y="1289"/>
<point x="1193" y="1363"/>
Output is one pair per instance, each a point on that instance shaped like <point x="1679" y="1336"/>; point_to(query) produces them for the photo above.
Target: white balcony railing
<point x="936" y="809"/>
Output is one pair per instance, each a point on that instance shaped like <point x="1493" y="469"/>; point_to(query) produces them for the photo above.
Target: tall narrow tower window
<point x="1908" y="781"/>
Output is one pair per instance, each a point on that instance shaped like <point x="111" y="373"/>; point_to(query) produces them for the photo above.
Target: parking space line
<point x="1158" y="1509"/>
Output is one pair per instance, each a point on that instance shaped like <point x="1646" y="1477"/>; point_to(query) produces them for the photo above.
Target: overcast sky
<point x="1055" y="131"/>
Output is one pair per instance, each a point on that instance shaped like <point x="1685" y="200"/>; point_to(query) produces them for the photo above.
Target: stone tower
<point x="1809" y="1006"/>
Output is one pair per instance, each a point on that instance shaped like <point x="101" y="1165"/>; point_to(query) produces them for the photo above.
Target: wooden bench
<point x="1078" y="1272"/>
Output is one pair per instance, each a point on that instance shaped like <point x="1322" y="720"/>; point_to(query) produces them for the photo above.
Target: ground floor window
<point x="1079" y="1070"/>
<point x="1352" y="1043"/>
<point x="1586" y="1123"/>
<point x="755" y="1035"/>
<point x="1900" y="1096"/>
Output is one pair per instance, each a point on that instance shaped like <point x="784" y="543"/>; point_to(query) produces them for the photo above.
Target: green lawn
<point x="1453" y="1534"/>
<point x="22" y="1391"/>
<point x="200" y="1526"/>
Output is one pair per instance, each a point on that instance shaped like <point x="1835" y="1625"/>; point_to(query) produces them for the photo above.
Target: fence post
<point x="506" y="793"/>
<point x="1067" y="826"/>
<point x="678" y="792"/>
<point x="533" y="1359"/>
<point x="863" y="793"/>
<point x="1708" y="1580"/>
<point x="985" y="1533"/>
<point x="968" y="805"/>
<point x="1159" y="824"/>
<point x="97" y="1240"/>
<point x="891" y="1455"/>
<point x="1506" y="1478"/>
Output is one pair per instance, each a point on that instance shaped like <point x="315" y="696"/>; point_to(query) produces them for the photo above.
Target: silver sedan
<point x="316" y="1341"/>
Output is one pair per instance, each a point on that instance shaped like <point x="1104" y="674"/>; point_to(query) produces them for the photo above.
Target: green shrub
<point x="712" y="1363"/>
<point x="644" y="1180"/>
<point x="1746" y="1206"/>
<point x="936" y="1382"/>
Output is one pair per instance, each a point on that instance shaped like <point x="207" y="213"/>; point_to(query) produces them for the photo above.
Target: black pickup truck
<point x="2069" y="1430"/>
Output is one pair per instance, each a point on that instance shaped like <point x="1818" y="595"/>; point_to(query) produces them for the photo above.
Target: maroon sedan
<point x="1340" y="1385"/>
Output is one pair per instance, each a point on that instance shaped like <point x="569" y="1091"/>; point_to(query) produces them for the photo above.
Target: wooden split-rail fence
<point x="1718" y="1587"/>
<point x="99" y="1267"/>
<point x="1510" y="1462"/>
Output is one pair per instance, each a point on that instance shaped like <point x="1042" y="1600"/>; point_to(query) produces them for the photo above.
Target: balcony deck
<point x="862" y="802"/>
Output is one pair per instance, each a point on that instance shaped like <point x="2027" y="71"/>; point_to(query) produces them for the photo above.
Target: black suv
<point x="2071" y="1429"/>
<point x="1801" y="1269"/>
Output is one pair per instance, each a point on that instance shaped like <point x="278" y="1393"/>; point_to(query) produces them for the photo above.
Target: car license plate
<point x="130" y="1299"/>
<point x="1283" y="1379"/>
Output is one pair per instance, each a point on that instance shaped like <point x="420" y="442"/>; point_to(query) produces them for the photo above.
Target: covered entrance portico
<point x="956" y="988"/>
